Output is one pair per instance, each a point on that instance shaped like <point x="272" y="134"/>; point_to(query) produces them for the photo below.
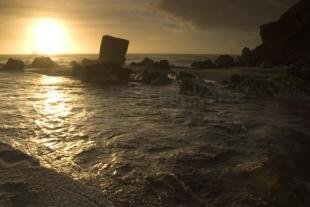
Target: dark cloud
<point x="244" y="15"/>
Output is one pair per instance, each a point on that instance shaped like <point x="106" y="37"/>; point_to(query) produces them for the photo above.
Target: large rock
<point x="106" y="74"/>
<point x="224" y="61"/>
<point x="43" y="62"/>
<point x="287" y="41"/>
<point x="14" y="65"/>
<point x="113" y="50"/>
<point x="206" y="64"/>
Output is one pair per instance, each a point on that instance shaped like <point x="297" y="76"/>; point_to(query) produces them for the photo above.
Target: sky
<point x="152" y="26"/>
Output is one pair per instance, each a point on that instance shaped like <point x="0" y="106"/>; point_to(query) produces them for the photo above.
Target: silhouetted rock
<point x="287" y="41"/>
<point x="146" y="62"/>
<point x="246" y="58"/>
<point x="161" y="65"/>
<point x="14" y="65"/>
<point x="43" y="62"/>
<point x="224" y="61"/>
<point x="86" y="62"/>
<point x="113" y="50"/>
<point x="106" y="74"/>
<point x="155" y="78"/>
<point x="203" y="64"/>
<point x="77" y="69"/>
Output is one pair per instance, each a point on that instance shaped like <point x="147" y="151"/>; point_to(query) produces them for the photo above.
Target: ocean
<point x="150" y="146"/>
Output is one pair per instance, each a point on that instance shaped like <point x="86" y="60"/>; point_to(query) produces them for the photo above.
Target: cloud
<point x="242" y="15"/>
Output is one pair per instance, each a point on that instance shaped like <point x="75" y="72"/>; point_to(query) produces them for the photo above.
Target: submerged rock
<point x="224" y="61"/>
<point x="14" y="65"/>
<point x="155" y="78"/>
<point x="254" y="86"/>
<point x="106" y="74"/>
<point x="43" y="62"/>
<point x="113" y="50"/>
<point x="196" y="87"/>
<point x="181" y="75"/>
<point x="206" y="64"/>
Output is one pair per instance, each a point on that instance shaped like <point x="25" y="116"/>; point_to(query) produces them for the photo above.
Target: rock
<point x="246" y="58"/>
<point x="181" y="75"/>
<point x="43" y="62"/>
<point x="14" y="65"/>
<point x="256" y="86"/>
<point x="302" y="72"/>
<point x="113" y="50"/>
<point x="161" y="65"/>
<point x="86" y="62"/>
<point x="203" y="65"/>
<point x="155" y="78"/>
<point x="106" y="74"/>
<point x="77" y="69"/>
<point x="224" y="61"/>
<point x="286" y="41"/>
<point x="196" y="87"/>
<point x="146" y="62"/>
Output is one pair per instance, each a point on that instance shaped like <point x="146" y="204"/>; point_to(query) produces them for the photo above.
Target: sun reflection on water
<point x="55" y="103"/>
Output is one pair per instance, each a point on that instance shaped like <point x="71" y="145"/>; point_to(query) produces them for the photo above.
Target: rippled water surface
<point x="149" y="146"/>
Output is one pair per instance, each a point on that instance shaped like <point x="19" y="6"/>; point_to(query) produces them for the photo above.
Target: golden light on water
<point x="55" y="100"/>
<point x="49" y="36"/>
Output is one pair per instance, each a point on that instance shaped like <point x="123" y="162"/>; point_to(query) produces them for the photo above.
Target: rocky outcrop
<point x="224" y="61"/>
<point x="106" y="74"/>
<point x="206" y="64"/>
<point x="113" y="50"/>
<point x="286" y="41"/>
<point x="43" y="62"/>
<point x="161" y="65"/>
<point x="14" y="65"/>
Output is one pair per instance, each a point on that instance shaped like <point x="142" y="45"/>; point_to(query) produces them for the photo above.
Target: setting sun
<point x="49" y="36"/>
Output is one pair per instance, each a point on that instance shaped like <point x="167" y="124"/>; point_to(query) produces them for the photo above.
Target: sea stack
<point x="113" y="50"/>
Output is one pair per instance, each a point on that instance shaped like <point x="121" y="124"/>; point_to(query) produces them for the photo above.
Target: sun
<point x="49" y="36"/>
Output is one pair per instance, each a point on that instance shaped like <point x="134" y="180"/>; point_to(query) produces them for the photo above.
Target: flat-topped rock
<point x="113" y="50"/>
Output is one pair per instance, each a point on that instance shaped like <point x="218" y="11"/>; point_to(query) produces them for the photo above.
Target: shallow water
<point x="149" y="146"/>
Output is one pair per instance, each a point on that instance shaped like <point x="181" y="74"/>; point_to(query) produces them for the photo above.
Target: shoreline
<point x="24" y="182"/>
